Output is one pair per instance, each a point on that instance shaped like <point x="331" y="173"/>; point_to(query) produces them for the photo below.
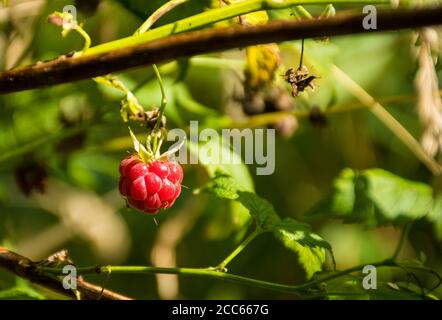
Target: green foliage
<point x="210" y="160"/>
<point x="296" y="236"/>
<point x="260" y="209"/>
<point x="37" y="125"/>
<point x="21" y="291"/>
<point x="375" y="197"/>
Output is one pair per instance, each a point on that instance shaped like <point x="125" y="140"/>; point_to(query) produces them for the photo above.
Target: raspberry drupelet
<point x="149" y="187"/>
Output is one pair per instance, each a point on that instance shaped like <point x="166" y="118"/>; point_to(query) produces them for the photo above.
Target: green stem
<point x="214" y="62"/>
<point x="119" y="85"/>
<point x="273" y="117"/>
<point x="86" y="37"/>
<point x="307" y="285"/>
<point x="389" y="121"/>
<point x="424" y="269"/>
<point x="199" y="272"/>
<point x="303" y="12"/>
<point x="144" y="27"/>
<point x="160" y="111"/>
<point x="214" y="274"/>
<point x="216" y="15"/>
<point x="401" y="242"/>
<point x="158" y="14"/>
<point x="250" y="122"/>
<point x="163" y="97"/>
<point x="234" y="253"/>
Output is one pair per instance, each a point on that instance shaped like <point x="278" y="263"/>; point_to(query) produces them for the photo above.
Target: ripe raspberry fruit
<point x="152" y="186"/>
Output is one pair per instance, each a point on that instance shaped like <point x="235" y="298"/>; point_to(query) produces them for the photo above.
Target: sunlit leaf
<point x="296" y="236"/>
<point x="299" y="238"/>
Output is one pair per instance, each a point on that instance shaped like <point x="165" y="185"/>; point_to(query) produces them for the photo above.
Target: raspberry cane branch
<point x="99" y="62"/>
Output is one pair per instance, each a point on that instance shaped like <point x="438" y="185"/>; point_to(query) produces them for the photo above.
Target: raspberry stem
<point x="158" y="14"/>
<point x="302" y="290"/>
<point x="161" y="110"/>
<point x="234" y="253"/>
<point x="145" y="27"/>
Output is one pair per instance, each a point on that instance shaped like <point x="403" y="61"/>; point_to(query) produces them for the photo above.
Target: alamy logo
<point x="70" y="281"/>
<point x="370" y="281"/>
<point x="70" y="16"/>
<point x="254" y="146"/>
<point x="370" y="20"/>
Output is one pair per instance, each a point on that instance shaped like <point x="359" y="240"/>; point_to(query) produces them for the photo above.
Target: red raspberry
<point x="150" y="187"/>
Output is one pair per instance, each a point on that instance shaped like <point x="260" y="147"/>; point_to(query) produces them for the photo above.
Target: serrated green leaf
<point x="301" y="232"/>
<point x="260" y="209"/>
<point x="375" y="197"/>
<point x="239" y="215"/>
<point x="296" y="236"/>
<point x="211" y="159"/>
<point x="310" y="247"/>
<point x="224" y="186"/>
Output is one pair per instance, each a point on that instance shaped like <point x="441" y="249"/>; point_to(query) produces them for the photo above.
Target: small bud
<point x="55" y="19"/>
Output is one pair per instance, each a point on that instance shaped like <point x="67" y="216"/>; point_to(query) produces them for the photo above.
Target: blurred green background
<point x="67" y="141"/>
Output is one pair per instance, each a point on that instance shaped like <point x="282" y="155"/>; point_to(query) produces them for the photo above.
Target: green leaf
<point x="19" y="294"/>
<point x="209" y="159"/>
<point x="296" y="236"/>
<point x="21" y="291"/>
<point x="375" y="197"/>
<point x="224" y="186"/>
<point x="260" y="209"/>
<point x="310" y="247"/>
<point x="211" y="155"/>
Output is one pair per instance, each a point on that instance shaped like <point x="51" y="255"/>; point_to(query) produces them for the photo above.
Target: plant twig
<point x="161" y="110"/>
<point x="210" y="17"/>
<point x="424" y="269"/>
<point x="302" y="290"/>
<point x="168" y="6"/>
<point x="273" y="117"/>
<point x="400" y="244"/>
<point x="250" y="122"/>
<point x="234" y="253"/>
<point x="384" y="116"/>
<point x="165" y="8"/>
<point x="65" y="69"/>
<point x="27" y="269"/>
